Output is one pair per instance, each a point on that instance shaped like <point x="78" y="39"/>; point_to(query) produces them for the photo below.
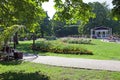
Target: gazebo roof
<point x="101" y="28"/>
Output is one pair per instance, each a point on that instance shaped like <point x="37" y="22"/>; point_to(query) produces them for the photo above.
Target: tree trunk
<point x="16" y="38"/>
<point x="33" y="45"/>
<point x="42" y="34"/>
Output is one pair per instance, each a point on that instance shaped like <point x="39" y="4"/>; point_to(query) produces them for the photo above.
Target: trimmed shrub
<point x="60" y="47"/>
<point x="76" y="40"/>
<point x="50" y="38"/>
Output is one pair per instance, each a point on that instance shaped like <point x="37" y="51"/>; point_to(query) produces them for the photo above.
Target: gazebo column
<point x="110" y="31"/>
<point x="101" y="34"/>
<point x="105" y="33"/>
<point x="95" y="34"/>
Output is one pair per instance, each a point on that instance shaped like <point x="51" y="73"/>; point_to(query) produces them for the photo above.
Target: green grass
<point x="101" y="50"/>
<point x="104" y="50"/>
<point x="18" y="70"/>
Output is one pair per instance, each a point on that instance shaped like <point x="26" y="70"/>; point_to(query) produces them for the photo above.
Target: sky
<point x="48" y="6"/>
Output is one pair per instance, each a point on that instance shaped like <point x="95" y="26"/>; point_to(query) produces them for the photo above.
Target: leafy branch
<point x="8" y="33"/>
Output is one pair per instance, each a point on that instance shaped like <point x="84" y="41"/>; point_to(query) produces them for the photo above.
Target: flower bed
<point x="76" y="40"/>
<point x="60" y="47"/>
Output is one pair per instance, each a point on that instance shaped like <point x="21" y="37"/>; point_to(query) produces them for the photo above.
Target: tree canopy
<point x="30" y="12"/>
<point x="26" y="12"/>
<point x="116" y="9"/>
<point x="7" y="33"/>
<point x="73" y="10"/>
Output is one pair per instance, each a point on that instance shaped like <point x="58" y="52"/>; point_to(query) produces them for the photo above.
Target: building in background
<point x="101" y="32"/>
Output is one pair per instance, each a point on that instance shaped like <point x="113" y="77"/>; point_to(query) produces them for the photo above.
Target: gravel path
<point x="75" y="62"/>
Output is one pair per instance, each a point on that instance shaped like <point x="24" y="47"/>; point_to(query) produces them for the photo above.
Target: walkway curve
<point x="76" y="62"/>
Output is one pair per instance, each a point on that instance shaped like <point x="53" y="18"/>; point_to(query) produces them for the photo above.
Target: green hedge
<point x="60" y="47"/>
<point x="50" y="38"/>
<point x="76" y="40"/>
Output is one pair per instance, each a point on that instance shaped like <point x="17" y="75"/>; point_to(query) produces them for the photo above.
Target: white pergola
<point x="101" y="32"/>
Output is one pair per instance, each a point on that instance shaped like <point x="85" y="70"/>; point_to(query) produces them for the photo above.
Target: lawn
<point x="18" y="70"/>
<point x="101" y="50"/>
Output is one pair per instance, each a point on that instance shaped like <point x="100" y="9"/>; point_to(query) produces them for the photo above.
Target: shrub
<point x="50" y="38"/>
<point x="60" y="47"/>
<point x="42" y="46"/>
<point x="76" y="40"/>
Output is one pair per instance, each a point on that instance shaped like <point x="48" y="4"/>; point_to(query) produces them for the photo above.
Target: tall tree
<point x="26" y="12"/>
<point x="73" y="10"/>
<point x="29" y="12"/>
<point x="57" y="28"/>
<point x="45" y="26"/>
<point x="7" y="33"/>
<point x="116" y="9"/>
<point x="103" y="17"/>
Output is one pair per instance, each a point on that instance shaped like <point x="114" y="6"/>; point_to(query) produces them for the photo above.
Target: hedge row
<point x="76" y="40"/>
<point x="60" y="47"/>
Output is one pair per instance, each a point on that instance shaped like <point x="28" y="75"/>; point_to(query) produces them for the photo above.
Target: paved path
<point x="75" y="62"/>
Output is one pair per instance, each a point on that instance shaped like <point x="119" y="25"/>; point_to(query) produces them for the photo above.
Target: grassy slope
<point x="101" y="50"/>
<point x="32" y="71"/>
<point x="104" y="50"/>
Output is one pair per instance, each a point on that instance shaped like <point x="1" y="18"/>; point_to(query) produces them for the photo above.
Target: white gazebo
<point x="101" y="32"/>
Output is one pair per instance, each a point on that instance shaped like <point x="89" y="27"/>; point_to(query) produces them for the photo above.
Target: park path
<point x="75" y="62"/>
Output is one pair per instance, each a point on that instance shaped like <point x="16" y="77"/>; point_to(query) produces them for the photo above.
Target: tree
<point x="103" y="17"/>
<point x="45" y="26"/>
<point x="57" y="27"/>
<point x="26" y="12"/>
<point x="116" y="9"/>
<point x="30" y="12"/>
<point x="8" y="33"/>
<point x="61" y="29"/>
<point x="73" y="10"/>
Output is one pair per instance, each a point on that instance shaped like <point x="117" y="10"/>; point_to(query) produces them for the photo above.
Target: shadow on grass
<point x="14" y="62"/>
<point x="23" y="76"/>
<point x="26" y="48"/>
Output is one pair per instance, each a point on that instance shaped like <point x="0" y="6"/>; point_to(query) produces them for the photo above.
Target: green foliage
<point x="72" y="10"/>
<point x="50" y="38"/>
<point x="61" y="29"/>
<point x="33" y="71"/>
<point x="59" y="47"/>
<point x="25" y="12"/>
<point x="45" y="26"/>
<point x="101" y="50"/>
<point x="101" y="10"/>
<point x="8" y="33"/>
<point x="81" y="29"/>
<point x="116" y="9"/>
<point x="76" y="40"/>
<point x="103" y="18"/>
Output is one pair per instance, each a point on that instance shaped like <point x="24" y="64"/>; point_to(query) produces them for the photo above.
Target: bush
<point x="59" y="47"/>
<point x="50" y="38"/>
<point x="76" y="40"/>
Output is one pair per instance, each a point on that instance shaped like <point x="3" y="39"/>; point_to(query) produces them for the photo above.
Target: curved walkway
<point x="75" y="62"/>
